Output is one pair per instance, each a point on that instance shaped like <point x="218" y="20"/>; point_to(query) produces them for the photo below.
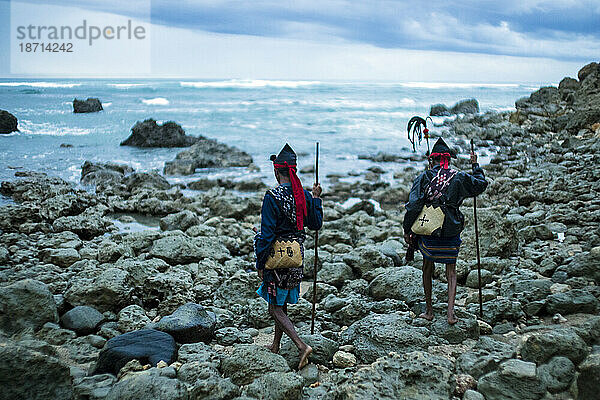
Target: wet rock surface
<point x="61" y="254"/>
<point x="8" y="122"/>
<point x="150" y="134"/>
<point x="89" y="105"/>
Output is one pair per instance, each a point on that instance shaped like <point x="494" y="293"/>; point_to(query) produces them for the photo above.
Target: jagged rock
<point x="377" y="334"/>
<point x="466" y="328"/>
<point x="335" y="274"/>
<point x="199" y="352"/>
<point x="151" y="134"/>
<point x="276" y="386"/>
<point x="61" y="257"/>
<point x="90" y="105"/>
<point x="573" y="301"/>
<point x="179" y="249"/>
<point x="190" y="323"/>
<point x="229" y="336"/>
<point x="468" y="106"/>
<point x="239" y="289"/>
<point x="541" y="346"/>
<point x="367" y="258"/>
<point x="207" y="153"/>
<point x="169" y="290"/>
<point x="86" y="227"/>
<point x="26" y="304"/>
<point x="150" y="384"/>
<point x="588" y="381"/>
<point x="557" y="374"/>
<point x="181" y="220"/>
<point x="587" y="70"/>
<point x="110" y="290"/>
<point x="82" y="319"/>
<point x="343" y="359"/>
<point x="417" y="375"/>
<point x="8" y="122"/>
<point x="103" y="174"/>
<point x="248" y="362"/>
<point x="484" y="357"/>
<point x="33" y="370"/>
<point x="323" y="349"/>
<point x="132" y="318"/>
<point x="473" y="278"/>
<point x="439" y="110"/>
<point x="515" y="379"/>
<point x="149" y="346"/>
<point x="499" y="309"/>
<point x="402" y="283"/>
<point x="94" y="387"/>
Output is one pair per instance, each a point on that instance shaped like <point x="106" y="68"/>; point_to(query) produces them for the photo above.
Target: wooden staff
<point x="314" y="294"/>
<point x="477" y="245"/>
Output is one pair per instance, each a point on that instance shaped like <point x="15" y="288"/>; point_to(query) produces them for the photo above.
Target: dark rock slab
<point x="149" y="346"/>
<point x="439" y="110"/>
<point x="190" y="323"/>
<point x="90" y="105"/>
<point x="541" y="346"/>
<point x="8" y="122"/>
<point x="468" y="106"/>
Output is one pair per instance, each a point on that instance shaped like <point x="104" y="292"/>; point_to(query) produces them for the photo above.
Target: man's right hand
<point x="317" y="190"/>
<point x="409" y="238"/>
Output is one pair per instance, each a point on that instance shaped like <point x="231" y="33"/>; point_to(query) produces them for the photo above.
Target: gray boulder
<point x="557" y="374"/>
<point x="150" y="384"/>
<point x="103" y="174"/>
<point x="90" y="105"/>
<point x="180" y="249"/>
<point x="468" y="106"/>
<point x="571" y="302"/>
<point x="401" y="283"/>
<point x="539" y="347"/>
<point x="323" y="349"/>
<point x="230" y="335"/>
<point x="367" y="258"/>
<point x="94" y="387"/>
<point x="190" y="323"/>
<point x="108" y="291"/>
<point x="248" y="362"/>
<point x="8" y="122"/>
<point x="473" y="278"/>
<point x="63" y="257"/>
<point x="335" y="274"/>
<point x="82" y="319"/>
<point x="207" y="153"/>
<point x="26" y="304"/>
<point x="151" y="134"/>
<point x="514" y="379"/>
<point x="499" y="309"/>
<point x="439" y="110"/>
<point x="414" y="375"/>
<point x="132" y="318"/>
<point x="378" y="334"/>
<point x="181" y="220"/>
<point x="484" y="357"/>
<point x="466" y="328"/>
<point x="276" y="386"/>
<point x="588" y="381"/>
<point x="33" y="370"/>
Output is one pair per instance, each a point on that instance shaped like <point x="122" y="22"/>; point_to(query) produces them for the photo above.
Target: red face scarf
<point x="444" y="159"/>
<point x="298" y="191"/>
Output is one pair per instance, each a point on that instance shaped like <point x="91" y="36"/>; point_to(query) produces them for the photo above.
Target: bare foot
<point x="427" y="315"/>
<point x="452" y="319"/>
<point x="304" y="357"/>
<point x="273" y="349"/>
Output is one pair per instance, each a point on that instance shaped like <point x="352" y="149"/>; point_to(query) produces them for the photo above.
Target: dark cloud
<point x="560" y="29"/>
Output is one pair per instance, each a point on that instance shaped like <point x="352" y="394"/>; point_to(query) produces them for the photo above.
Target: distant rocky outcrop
<point x="468" y="106"/>
<point x="207" y="153"/>
<point x="90" y="105"/>
<point x="150" y="134"/>
<point x="8" y="122"/>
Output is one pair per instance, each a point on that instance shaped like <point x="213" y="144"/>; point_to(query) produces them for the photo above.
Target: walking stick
<point x="314" y="294"/>
<point x="477" y="245"/>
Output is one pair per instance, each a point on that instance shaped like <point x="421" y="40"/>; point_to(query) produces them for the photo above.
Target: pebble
<point x="342" y="359"/>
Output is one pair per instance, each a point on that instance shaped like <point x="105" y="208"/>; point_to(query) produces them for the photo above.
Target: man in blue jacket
<point x="447" y="188"/>
<point x="286" y="210"/>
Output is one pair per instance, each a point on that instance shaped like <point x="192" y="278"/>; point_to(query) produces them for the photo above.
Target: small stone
<point x="162" y="364"/>
<point x="558" y="319"/>
<point x="82" y="319"/>
<point x="484" y="328"/>
<point x="473" y="395"/>
<point x="342" y="359"/>
<point x="464" y="382"/>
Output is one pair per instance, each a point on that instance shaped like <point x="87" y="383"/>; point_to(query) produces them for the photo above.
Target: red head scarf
<point x="444" y="159"/>
<point x="298" y="191"/>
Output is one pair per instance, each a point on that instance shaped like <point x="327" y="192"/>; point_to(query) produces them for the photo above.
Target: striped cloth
<point x="440" y="250"/>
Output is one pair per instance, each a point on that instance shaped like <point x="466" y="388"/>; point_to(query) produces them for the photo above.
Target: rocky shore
<point x="89" y="311"/>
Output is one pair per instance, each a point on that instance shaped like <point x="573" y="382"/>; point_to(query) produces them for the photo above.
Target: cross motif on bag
<point x="423" y="220"/>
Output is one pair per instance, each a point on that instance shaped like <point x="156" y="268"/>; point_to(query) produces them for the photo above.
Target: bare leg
<point x="277" y="336"/>
<point x="451" y="277"/>
<point x="284" y="323"/>
<point x="427" y="287"/>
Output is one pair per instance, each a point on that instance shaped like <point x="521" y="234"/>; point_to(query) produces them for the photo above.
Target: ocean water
<point x="257" y="116"/>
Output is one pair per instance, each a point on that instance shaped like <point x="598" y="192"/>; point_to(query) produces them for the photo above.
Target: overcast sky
<point x="437" y="40"/>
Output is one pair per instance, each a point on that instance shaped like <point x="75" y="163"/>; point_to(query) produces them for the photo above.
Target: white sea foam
<point x="157" y="101"/>
<point x="248" y="84"/>
<point x="452" y="85"/>
<point x="46" y="128"/>
<point x="41" y="84"/>
<point x="125" y="85"/>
